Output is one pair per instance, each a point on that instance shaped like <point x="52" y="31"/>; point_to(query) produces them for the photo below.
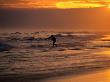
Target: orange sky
<point x="84" y="15"/>
<point x="54" y="3"/>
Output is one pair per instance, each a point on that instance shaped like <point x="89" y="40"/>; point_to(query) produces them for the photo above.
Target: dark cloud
<point x="10" y="1"/>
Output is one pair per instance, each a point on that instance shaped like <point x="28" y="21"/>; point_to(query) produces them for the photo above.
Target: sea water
<point x="32" y="53"/>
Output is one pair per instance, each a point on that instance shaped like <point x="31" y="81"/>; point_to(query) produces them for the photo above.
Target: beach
<point x="94" y="76"/>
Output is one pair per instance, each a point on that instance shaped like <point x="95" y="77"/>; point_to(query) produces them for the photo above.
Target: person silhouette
<point x="52" y="38"/>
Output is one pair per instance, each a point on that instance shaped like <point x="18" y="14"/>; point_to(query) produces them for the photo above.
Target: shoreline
<point x="46" y="76"/>
<point x="93" y="76"/>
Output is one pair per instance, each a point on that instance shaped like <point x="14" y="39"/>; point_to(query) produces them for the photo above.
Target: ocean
<point x="32" y="56"/>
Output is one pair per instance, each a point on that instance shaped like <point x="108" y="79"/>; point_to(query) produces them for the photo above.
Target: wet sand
<point x="97" y="76"/>
<point x="91" y="75"/>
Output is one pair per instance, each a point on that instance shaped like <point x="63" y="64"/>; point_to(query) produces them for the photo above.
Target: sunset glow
<point x="78" y="5"/>
<point x="53" y="3"/>
<point x="109" y="6"/>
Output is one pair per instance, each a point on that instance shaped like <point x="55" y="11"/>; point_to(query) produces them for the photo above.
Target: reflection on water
<point x="105" y="52"/>
<point x="73" y="53"/>
<point x="101" y="76"/>
<point x="106" y="37"/>
<point x="108" y="75"/>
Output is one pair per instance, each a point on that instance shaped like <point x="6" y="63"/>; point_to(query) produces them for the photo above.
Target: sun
<point x="64" y="5"/>
<point x="108" y="6"/>
<point x="72" y="4"/>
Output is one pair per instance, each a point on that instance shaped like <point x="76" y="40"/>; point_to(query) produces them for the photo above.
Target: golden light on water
<point x="101" y="76"/>
<point x="104" y="53"/>
<point x="106" y="37"/>
<point x="108" y="75"/>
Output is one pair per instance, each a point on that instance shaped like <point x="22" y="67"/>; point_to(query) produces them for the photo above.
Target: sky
<point x="53" y="3"/>
<point x="55" y="15"/>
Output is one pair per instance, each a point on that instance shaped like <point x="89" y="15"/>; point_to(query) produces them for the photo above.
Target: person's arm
<point x="48" y="38"/>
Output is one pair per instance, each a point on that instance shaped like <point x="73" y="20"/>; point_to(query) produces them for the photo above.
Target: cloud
<point x="53" y="3"/>
<point x="27" y="3"/>
<point x="72" y="4"/>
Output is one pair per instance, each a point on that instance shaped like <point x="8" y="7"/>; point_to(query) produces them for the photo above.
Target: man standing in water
<point x="52" y="38"/>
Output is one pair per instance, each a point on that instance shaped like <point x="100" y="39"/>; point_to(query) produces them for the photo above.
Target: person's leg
<point x="53" y="43"/>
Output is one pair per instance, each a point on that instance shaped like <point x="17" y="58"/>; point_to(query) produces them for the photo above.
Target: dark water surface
<point x="33" y="55"/>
